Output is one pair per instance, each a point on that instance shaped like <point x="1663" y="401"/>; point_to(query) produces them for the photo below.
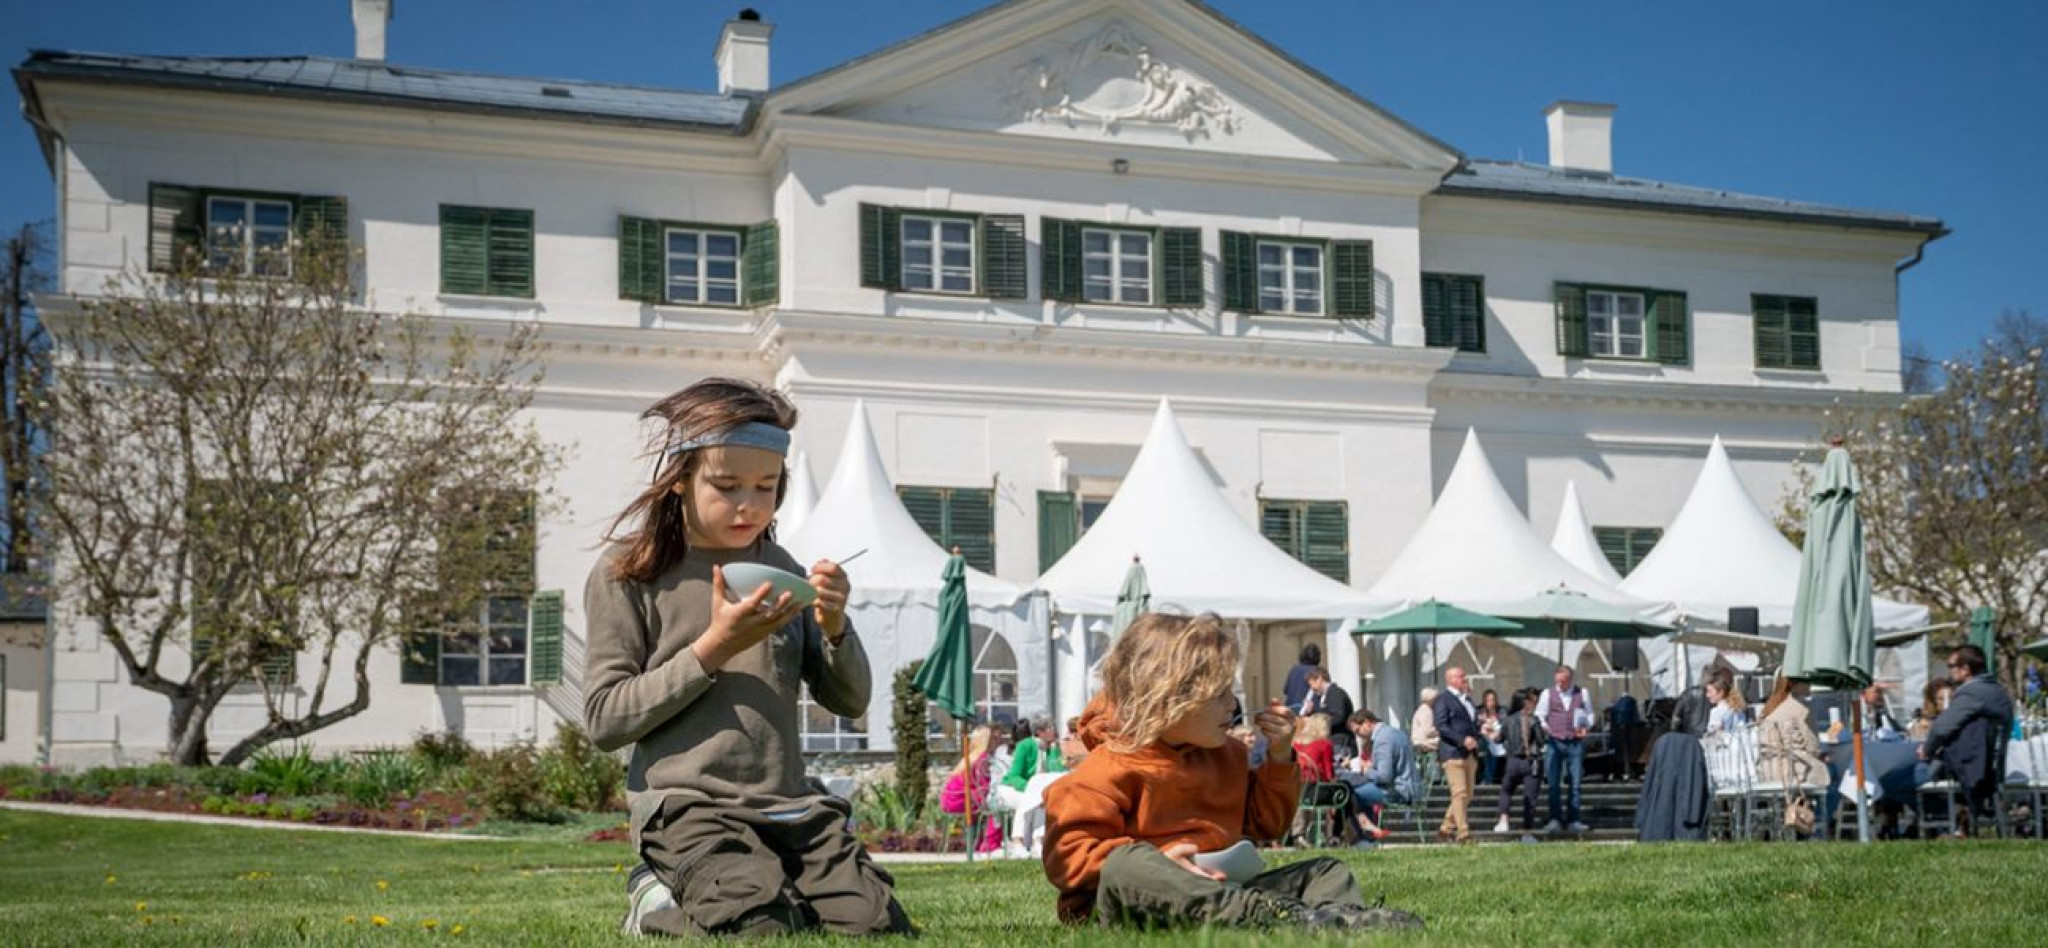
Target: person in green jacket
<point x="1034" y="763"/>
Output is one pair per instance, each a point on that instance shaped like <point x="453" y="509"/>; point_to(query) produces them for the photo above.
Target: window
<point x="249" y="236"/>
<point x="1614" y="324"/>
<point x="1787" y="332"/>
<point x="938" y="254"/>
<point x="1316" y="532"/>
<point x="493" y="652"/>
<point x="1454" y="311"/>
<point x="995" y="688"/>
<point x="824" y="731"/>
<point x="1625" y="547"/>
<point x="227" y="596"/>
<point x="1290" y="278"/>
<point x="703" y="267"/>
<point x="487" y="251"/>
<point x="1116" y="266"/>
<point x="957" y="516"/>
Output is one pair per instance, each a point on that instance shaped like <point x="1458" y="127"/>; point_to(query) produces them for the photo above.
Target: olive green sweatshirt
<point x="730" y="737"/>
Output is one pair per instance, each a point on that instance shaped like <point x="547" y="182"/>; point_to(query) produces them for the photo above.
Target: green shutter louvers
<point x="176" y="226"/>
<point x="1059" y="526"/>
<point x="322" y="223"/>
<point x="1059" y="276"/>
<point x="1671" y="323"/>
<point x="1454" y="311"/>
<point x="760" y="255"/>
<point x="511" y="253"/>
<point x="1351" y="279"/>
<point x="1003" y="267"/>
<point x="1571" y="320"/>
<point x="1240" y="263"/>
<point x="544" y="636"/>
<point x="881" y="247"/>
<point x="1180" y="262"/>
<point x="641" y="276"/>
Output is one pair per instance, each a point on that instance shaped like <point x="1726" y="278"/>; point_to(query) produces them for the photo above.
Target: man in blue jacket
<point x="1458" y="748"/>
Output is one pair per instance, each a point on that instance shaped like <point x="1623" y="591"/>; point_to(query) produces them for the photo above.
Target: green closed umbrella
<point x="1833" y="640"/>
<point x="1984" y="635"/>
<point x="1434" y="618"/>
<point x="947" y="677"/>
<point x="1132" y="599"/>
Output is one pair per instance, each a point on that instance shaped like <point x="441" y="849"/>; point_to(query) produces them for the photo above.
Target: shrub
<point x="512" y="785"/>
<point x="443" y="752"/>
<point x="577" y="775"/>
<point x="881" y="807"/>
<point x="289" y="774"/>
<point x="909" y="723"/>
<point x="374" y="779"/>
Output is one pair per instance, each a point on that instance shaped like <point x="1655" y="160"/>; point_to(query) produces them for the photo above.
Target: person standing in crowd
<point x="1624" y="716"/>
<point x="1384" y="771"/>
<point x="1877" y="712"/>
<point x="1969" y="736"/>
<point x="1522" y="739"/>
<point x="1297" y="677"/>
<point x="1566" y="714"/>
<point x="1690" y="715"/>
<point x="1458" y="747"/>
<point x="1489" y="734"/>
<point x="1331" y="703"/>
<point x="1933" y="700"/>
<point x="1422" y="726"/>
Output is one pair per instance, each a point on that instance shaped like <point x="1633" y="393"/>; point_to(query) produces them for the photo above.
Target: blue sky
<point x="1934" y="109"/>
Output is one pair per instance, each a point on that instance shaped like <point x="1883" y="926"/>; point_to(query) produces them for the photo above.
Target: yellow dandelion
<point x="348" y="920"/>
<point x="146" y="920"/>
<point x="430" y="924"/>
<point x="383" y="886"/>
<point x="457" y="929"/>
<point x="142" y="906"/>
<point x="618" y="869"/>
<point x="110" y="878"/>
<point x="379" y="921"/>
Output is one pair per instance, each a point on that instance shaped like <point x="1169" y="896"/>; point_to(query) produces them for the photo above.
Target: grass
<point x="68" y="880"/>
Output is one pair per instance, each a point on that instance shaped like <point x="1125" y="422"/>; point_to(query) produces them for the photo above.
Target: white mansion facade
<point x="1008" y="237"/>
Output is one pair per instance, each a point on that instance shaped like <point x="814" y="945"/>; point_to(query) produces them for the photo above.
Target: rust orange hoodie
<point x="1159" y="794"/>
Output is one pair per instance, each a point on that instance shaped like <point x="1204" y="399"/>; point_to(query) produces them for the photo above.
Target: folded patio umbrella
<point x="1984" y="635"/>
<point x="1833" y="640"/>
<point x="947" y="677"/>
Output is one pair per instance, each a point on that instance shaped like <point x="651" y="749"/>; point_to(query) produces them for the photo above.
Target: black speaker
<point x="1624" y="655"/>
<point x="1742" y="620"/>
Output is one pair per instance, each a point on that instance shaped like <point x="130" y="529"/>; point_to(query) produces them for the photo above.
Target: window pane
<point x="917" y="228"/>
<point x="223" y="213"/>
<point x="1631" y="347"/>
<point x="1308" y="256"/>
<point x="956" y="232"/>
<point x="507" y="610"/>
<point x="459" y="643"/>
<point x="460" y="671"/>
<point x="1272" y="279"/>
<point x="682" y="241"/>
<point x="723" y="293"/>
<point x="958" y="282"/>
<point x="1272" y="302"/>
<point x="1096" y="292"/>
<point x="717" y="269"/>
<point x="1632" y="327"/>
<point x="1307" y="282"/>
<point x="273" y="214"/>
<point x="721" y="245"/>
<point x="1139" y="269"/>
<point x="508" y="671"/>
<point x="682" y="268"/>
<point x="1136" y="244"/>
<point x="1138" y="293"/>
<point x="917" y="278"/>
<point x="1095" y="241"/>
<point x="1598" y="304"/>
<point x="1629" y="305"/>
<point x="1095" y="267"/>
<point x="1270" y="254"/>
<point x="917" y="256"/>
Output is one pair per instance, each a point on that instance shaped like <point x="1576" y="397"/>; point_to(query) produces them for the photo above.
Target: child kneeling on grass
<point x="729" y="836"/>
<point x="1164" y="782"/>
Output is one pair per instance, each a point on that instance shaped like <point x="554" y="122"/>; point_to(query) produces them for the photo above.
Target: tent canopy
<point x="1722" y="551"/>
<point x="800" y="499"/>
<point x="860" y="510"/>
<point x="1573" y="539"/>
<point x="1199" y="554"/>
<point x="1476" y="550"/>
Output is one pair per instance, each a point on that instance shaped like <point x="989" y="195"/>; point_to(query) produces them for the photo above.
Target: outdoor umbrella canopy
<point x="947" y="676"/>
<point x="1569" y="614"/>
<point x="1434" y="618"/>
<point x="1833" y="640"/>
<point x="1984" y="635"/>
<point x="2036" y="650"/>
<point x="1132" y="599"/>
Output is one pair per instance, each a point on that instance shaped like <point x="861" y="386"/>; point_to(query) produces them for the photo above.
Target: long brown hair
<point x="1780" y="690"/>
<point x="653" y="536"/>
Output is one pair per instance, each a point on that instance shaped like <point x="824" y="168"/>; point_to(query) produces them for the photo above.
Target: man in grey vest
<point x="1566" y="714"/>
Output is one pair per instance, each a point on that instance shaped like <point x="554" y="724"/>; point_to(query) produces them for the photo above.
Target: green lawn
<point x="66" y="880"/>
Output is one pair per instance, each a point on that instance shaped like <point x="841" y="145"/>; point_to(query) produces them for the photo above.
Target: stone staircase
<point x="1607" y="807"/>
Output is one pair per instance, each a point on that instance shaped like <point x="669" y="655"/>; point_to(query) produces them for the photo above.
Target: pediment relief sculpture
<point x="1111" y="80"/>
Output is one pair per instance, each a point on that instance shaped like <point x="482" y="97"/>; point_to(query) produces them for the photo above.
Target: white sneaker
<point x="1502" y="826"/>
<point x="644" y="895"/>
<point x="1015" y="850"/>
<point x="1553" y="827"/>
<point x="1580" y="828"/>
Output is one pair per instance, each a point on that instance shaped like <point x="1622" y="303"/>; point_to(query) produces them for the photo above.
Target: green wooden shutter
<point x="1059" y="526"/>
<point x="760" y="272"/>
<point x="511" y="253"/>
<point x="419" y="657"/>
<point x="544" y="637"/>
<point x="971" y="523"/>
<point x="1672" y="327"/>
<point x="1059" y="276"/>
<point x="1802" y="332"/>
<point x="1769" y="317"/>
<point x="1180" y="263"/>
<point x="1003" y="275"/>
<point x="1614" y="545"/>
<point x="1240" y="260"/>
<point x="1351" y="279"/>
<point x="927" y="506"/>
<point x="1436" y="313"/>
<point x="881" y="247"/>
<point x="1280" y="522"/>
<point x="322" y="223"/>
<point x="1571" y="320"/>
<point x="1467" y="298"/>
<point x="1326" y="539"/>
<point x="177" y="222"/>
<point x="465" y="252"/>
<point x="641" y="260"/>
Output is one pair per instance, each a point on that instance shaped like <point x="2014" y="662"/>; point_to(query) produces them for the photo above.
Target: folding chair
<point x="1320" y="802"/>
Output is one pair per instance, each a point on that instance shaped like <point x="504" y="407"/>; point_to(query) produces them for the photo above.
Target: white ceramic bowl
<point x="1239" y="864"/>
<point x="741" y="579"/>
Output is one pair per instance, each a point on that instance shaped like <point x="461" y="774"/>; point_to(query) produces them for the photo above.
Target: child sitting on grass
<point x="1164" y="782"/>
<point x="703" y="683"/>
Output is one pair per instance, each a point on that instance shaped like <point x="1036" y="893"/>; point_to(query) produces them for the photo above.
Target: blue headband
<point x="753" y="434"/>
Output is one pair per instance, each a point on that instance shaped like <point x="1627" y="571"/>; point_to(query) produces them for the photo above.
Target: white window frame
<point x="703" y="282"/>
<point x="848" y="734"/>
<point x="1290" y="299"/>
<point x="933" y="250"/>
<point x="484" y="654"/>
<point x="1116" y="286"/>
<point x="244" y="234"/>
<point x="1607" y="325"/>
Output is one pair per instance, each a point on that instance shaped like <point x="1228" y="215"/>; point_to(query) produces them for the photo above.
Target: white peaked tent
<point x="1723" y="551"/>
<point x="800" y="499"/>
<point x="1200" y="555"/>
<point x="1573" y="539"/>
<point x="896" y="582"/>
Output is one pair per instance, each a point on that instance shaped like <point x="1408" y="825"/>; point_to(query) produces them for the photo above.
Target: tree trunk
<point x="188" y="731"/>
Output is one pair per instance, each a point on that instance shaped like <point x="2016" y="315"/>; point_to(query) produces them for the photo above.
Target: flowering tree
<point x="1955" y="487"/>
<point x="252" y="476"/>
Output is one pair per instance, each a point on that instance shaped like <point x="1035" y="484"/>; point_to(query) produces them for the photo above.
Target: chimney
<point x="743" y="55"/>
<point x="1581" y="135"/>
<point x="373" y="18"/>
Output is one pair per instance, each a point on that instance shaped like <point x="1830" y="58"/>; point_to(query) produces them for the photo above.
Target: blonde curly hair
<point x="1163" y="668"/>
